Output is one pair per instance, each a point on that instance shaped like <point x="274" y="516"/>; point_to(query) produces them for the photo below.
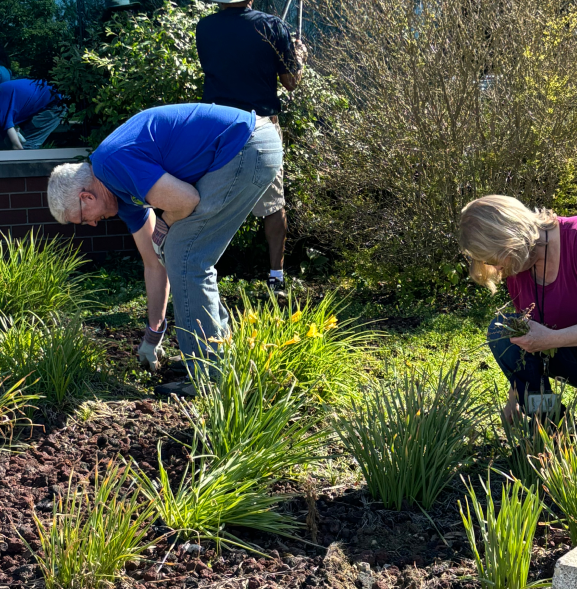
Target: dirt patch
<point x="360" y="544"/>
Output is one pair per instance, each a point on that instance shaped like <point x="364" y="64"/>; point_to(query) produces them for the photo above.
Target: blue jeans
<point x="524" y="370"/>
<point x="37" y="129"/>
<point x="195" y="244"/>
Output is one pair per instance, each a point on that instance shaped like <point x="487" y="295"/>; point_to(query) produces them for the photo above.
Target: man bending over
<point x="205" y="166"/>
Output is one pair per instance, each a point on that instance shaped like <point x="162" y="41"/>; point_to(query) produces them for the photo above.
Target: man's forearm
<point x="157" y="290"/>
<point x="14" y="139"/>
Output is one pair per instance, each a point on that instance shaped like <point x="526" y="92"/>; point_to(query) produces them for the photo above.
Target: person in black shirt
<point x="243" y="53"/>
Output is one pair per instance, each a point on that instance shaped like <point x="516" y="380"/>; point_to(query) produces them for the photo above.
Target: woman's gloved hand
<point x="150" y="350"/>
<point x="159" y="237"/>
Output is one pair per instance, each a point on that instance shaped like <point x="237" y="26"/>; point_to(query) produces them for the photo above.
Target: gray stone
<point x="565" y="576"/>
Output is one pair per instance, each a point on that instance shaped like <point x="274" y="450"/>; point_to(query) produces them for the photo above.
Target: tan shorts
<point x="273" y="198"/>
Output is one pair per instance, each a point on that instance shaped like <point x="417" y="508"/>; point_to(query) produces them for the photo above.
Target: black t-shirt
<point x="241" y="52"/>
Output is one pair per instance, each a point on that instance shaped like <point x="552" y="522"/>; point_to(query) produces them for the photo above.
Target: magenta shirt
<point x="560" y="295"/>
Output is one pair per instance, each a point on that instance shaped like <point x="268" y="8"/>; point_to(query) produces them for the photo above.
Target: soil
<point x="358" y="542"/>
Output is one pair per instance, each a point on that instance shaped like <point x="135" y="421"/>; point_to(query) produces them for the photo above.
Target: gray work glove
<point x="150" y="350"/>
<point x="159" y="237"/>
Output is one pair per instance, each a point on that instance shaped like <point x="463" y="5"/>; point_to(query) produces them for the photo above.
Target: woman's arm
<point x="542" y="338"/>
<point x="14" y="139"/>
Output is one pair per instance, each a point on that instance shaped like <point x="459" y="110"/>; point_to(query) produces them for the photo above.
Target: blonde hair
<point x="500" y="231"/>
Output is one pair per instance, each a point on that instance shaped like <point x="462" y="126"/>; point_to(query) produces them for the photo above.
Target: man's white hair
<point x="64" y="187"/>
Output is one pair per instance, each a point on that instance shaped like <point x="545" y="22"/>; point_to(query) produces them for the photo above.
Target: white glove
<point x="150" y="350"/>
<point x="159" y="237"/>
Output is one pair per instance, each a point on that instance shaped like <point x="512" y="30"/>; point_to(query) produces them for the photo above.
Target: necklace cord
<point x="541" y="307"/>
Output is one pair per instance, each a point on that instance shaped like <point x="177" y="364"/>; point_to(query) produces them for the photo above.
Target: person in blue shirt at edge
<point x="32" y="105"/>
<point x="5" y="66"/>
<point x="205" y="166"/>
<point x="242" y="51"/>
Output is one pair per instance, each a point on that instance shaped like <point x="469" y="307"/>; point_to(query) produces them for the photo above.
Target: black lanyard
<point x="541" y="309"/>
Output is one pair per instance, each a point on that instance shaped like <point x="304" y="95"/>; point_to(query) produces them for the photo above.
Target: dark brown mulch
<point x="360" y="544"/>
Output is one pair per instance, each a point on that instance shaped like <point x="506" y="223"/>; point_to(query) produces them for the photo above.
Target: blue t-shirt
<point x="20" y="100"/>
<point x="241" y="52"/>
<point x="185" y="140"/>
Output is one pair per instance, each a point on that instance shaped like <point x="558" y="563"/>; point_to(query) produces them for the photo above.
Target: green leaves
<point x="144" y="61"/>
<point x="506" y="538"/>
<point x="410" y="437"/>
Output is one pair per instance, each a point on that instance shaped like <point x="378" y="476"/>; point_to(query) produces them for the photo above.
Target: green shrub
<point x="503" y="554"/>
<point x="307" y="343"/>
<point x="218" y="493"/>
<point x="447" y="102"/>
<point x="412" y="435"/>
<point x="56" y="353"/>
<point x="141" y="62"/>
<point x="39" y="276"/>
<point x="92" y="535"/>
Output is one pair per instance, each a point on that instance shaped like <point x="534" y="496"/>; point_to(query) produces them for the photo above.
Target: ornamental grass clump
<point x="410" y="436"/>
<point x="218" y="493"/>
<point x="15" y="402"/>
<point x="93" y="534"/>
<point x="524" y="440"/>
<point x="253" y="413"/>
<point x="556" y="466"/>
<point x="40" y="276"/>
<point x="503" y="552"/>
<point x="307" y="343"/>
<point x="56" y="354"/>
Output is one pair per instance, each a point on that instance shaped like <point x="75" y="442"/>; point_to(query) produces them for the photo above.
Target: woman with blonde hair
<point x="536" y="253"/>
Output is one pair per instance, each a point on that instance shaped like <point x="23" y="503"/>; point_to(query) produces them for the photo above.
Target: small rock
<point x="364" y="567"/>
<point x="192" y="548"/>
<point x="15" y="546"/>
<point x="150" y="575"/>
<point x="131" y="565"/>
<point x="254" y="583"/>
<point x="45" y="505"/>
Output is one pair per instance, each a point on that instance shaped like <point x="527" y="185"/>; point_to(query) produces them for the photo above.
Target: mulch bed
<point x="360" y="544"/>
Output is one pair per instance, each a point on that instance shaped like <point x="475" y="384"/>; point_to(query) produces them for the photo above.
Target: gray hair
<point x="64" y="187"/>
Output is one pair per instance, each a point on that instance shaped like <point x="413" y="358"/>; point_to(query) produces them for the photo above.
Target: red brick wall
<point x="23" y="206"/>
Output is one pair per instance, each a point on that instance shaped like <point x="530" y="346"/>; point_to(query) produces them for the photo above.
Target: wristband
<point x="154" y="337"/>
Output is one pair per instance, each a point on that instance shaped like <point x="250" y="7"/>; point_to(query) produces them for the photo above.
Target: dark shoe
<point x="180" y="389"/>
<point x="277" y="286"/>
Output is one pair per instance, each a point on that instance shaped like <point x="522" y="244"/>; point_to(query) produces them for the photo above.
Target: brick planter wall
<point x="24" y="206"/>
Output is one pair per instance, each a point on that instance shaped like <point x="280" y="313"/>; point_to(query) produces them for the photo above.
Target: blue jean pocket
<point x="268" y="162"/>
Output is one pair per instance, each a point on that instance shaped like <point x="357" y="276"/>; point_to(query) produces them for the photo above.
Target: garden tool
<point x="286" y="9"/>
<point x="300" y="21"/>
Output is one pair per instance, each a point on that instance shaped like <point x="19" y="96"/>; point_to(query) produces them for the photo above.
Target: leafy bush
<point x="57" y="353"/>
<point x="143" y="61"/>
<point x="412" y="435"/>
<point x="556" y="466"/>
<point x="307" y="343"/>
<point x="92" y="536"/>
<point x="506" y="538"/>
<point x="447" y="102"/>
<point x="251" y="414"/>
<point x="218" y="493"/>
<point x="39" y="276"/>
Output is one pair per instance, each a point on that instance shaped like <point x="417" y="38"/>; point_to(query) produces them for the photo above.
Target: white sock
<point x="277" y="274"/>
